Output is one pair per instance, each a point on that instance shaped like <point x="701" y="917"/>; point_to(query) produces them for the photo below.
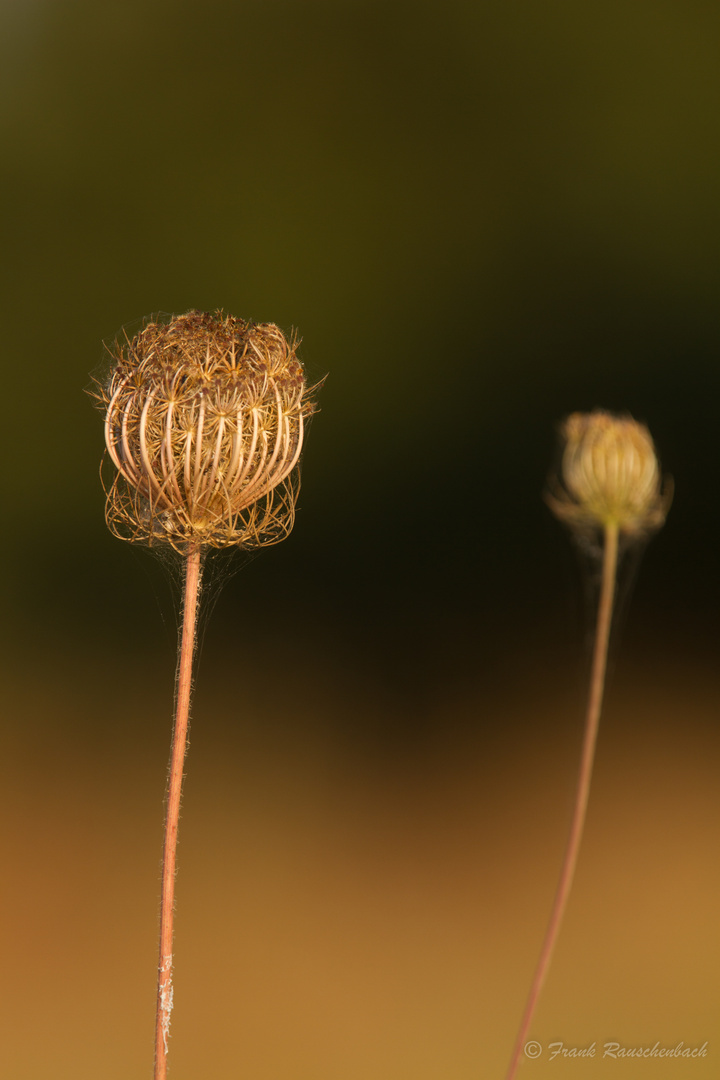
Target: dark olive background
<point x="479" y="217"/>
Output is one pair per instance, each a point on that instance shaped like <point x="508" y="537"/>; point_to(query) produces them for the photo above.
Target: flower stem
<point x="193" y="574"/>
<point x="592" y="720"/>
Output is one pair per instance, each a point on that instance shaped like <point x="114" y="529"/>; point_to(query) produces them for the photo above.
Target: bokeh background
<point x="480" y="216"/>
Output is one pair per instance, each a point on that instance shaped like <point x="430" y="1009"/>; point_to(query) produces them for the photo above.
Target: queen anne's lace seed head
<point x="609" y="476"/>
<point x="204" y="423"/>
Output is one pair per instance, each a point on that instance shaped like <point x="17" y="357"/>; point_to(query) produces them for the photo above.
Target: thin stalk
<point x="592" y="720"/>
<point x="193" y="574"/>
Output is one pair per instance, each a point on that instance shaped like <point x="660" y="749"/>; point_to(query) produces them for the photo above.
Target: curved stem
<point x="193" y="574"/>
<point x="592" y="720"/>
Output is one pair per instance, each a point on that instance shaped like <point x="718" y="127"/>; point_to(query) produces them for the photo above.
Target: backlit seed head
<point x="609" y="476"/>
<point x="204" y="423"/>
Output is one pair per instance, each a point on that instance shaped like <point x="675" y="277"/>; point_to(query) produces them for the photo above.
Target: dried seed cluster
<point x="204" y="422"/>
<point x="610" y="475"/>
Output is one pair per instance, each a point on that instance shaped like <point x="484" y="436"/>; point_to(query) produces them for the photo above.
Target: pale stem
<point x="254" y="480"/>
<point x="169" y="466"/>
<point x="592" y="720"/>
<point x="236" y="459"/>
<point x="147" y="468"/>
<point x="193" y="573"/>
<point x="110" y="429"/>
<point x="249" y="456"/>
<point x="209" y="481"/>
<point x="199" y="448"/>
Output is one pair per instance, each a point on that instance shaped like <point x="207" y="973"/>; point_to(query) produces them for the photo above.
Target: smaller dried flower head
<point x="609" y="476"/>
<point x="204" y="423"/>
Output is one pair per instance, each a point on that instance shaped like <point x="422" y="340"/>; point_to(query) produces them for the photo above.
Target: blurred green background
<point x="479" y="217"/>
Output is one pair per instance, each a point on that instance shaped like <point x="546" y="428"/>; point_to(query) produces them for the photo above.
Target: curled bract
<point x="204" y="422"/>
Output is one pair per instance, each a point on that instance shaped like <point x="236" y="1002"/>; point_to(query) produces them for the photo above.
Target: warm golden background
<point x="480" y="216"/>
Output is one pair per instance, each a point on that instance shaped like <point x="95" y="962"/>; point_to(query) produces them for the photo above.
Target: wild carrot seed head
<point x="609" y="475"/>
<point x="204" y="422"/>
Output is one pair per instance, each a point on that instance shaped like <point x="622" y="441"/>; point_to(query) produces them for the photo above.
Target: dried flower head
<point x="204" y="422"/>
<point x="609" y="476"/>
